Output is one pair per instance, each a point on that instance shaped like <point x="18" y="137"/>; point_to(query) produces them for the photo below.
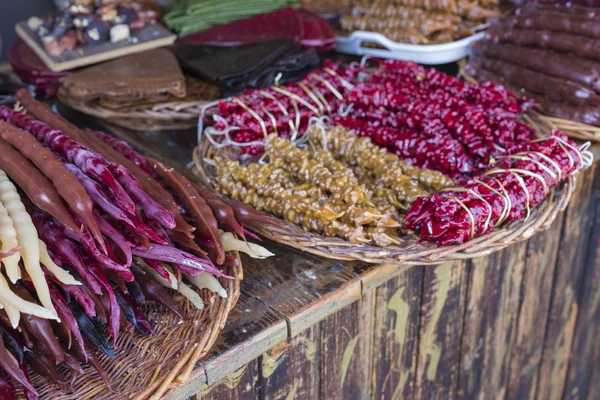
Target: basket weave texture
<point x="147" y="367"/>
<point x="410" y="250"/>
<point x="164" y="116"/>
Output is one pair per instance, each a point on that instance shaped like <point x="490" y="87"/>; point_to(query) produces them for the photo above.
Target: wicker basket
<point x="163" y="116"/>
<point x="573" y="129"/>
<point x="410" y="250"/>
<point x="148" y="367"/>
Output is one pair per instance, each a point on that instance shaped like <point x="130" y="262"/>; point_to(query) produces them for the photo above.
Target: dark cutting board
<point x="151" y="37"/>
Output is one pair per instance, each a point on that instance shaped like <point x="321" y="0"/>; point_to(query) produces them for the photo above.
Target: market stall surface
<point x="519" y="323"/>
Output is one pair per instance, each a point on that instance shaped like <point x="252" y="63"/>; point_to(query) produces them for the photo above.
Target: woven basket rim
<point x="173" y="115"/>
<point x="573" y="129"/>
<point x="183" y="343"/>
<point x="411" y="250"/>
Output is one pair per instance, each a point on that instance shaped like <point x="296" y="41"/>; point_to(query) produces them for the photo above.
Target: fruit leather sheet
<point x="234" y="69"/>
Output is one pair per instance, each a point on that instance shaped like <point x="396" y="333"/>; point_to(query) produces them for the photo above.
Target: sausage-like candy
<point x="124" y="149"/>
<point x="195" y="206"/>
<point x="222" y="212"/>
<point x="64" y="181"/>
<point x="9" y="365"/>
<point x="45" y="114"/>
<point x="40" y="328"/>
<point x="63" y="248"/>
<point x="248" y="215"/>
<point x="149" y="184"/>
<point x="90" y="162"/>
<point x="36" y="186"/>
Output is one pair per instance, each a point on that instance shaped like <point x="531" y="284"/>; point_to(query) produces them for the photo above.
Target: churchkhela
<point x="89" y="231"/>
<point x="463" y="145"/>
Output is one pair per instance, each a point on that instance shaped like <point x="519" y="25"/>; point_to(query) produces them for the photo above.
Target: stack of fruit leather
<point x="143" y="91"/>
<point x="153" y="76"/>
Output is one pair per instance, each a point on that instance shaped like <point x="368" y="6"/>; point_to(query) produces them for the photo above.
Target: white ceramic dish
<point x="429" y="54"/>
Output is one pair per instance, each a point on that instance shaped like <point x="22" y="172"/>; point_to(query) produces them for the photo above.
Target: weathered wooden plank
<point x="302" y="287"/>
<point x="587" y="327"/>
<point x="490" y="323"/>
<point x="241" y="384"/>
<point x="568" y="277"/>
<point x="593" y="390"/>
<point x="396" y="335"/>
<point x="538" y="277"/>
<point x="345" y="351"/>
<point x="441" y="326"/>
<point x="252" y="329"/>
<point x="290" y="370"/>
<point x="373" y="276"/>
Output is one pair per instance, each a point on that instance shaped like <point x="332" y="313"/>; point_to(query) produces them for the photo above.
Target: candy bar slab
<point x="151" y="37"/>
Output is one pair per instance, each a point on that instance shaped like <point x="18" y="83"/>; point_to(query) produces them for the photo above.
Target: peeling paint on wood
<point x="345" y="351"/>
<point x="396" y="335"/>
<point x="538" y="277"/>
<point x="587" y="328"/>
<point x="346" y="357"/>
<point x="297" y="372"/>
<point x="568" y="282"/>
<point x="490" y="324"/>
<point x="442" y="312"/>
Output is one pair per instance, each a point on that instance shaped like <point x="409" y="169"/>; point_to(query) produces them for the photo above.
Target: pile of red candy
<point x="468" y="131"/>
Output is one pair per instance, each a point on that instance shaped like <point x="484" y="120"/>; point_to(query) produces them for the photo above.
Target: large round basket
<point x="410" y="250"/>
<point x="573" y="129"/>
<point x="147" y="367"/>
<point x="164" y="116"/>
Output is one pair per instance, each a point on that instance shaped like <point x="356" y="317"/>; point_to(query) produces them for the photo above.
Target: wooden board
<point x="240" y="384"/>
<point x="490" y="323"/>
<point x="441" y="328"/>
<point x="587" y="328"/>
<point x="345" y="352"/>
<point x="290" y="370"/>
<point x="151" y="37"/>
<point x="538" y="278"/>
<point x="252" y="328"/>
<point x="396" y="335"/>
<point x="568" y="279"/>
<point x="302" y="287"/>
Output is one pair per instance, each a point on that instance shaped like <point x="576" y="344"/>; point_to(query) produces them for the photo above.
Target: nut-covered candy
<point x="62" y="24"/>
<point x="96" y="32"/>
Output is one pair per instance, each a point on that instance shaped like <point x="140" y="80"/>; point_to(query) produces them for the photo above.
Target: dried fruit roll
<point x="307" y="207"/>
<point x="35" y="184"/>
<point x="64" y="181"/>
<point x="90" y="162"/>
<point x="195" y="205"/>
<point x="222" y="212"/>
<point x="386" y="169"/>
<point x="45" y="114"/>
<point x="319" y="170"/>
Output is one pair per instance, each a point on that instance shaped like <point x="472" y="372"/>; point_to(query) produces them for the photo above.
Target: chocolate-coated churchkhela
<point x="36" y="186"/>
<point x="549" y="53"/>
<point x="554" y="64"/>
<point x="45" y="114"/>
<point x="194" y="204"/>
<point x="585" y="114"/>
<point x="555" y="89"/>
<point x="64" y="181"/>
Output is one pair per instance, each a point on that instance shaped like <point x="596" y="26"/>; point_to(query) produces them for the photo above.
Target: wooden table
<point x="521" y="323"/>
